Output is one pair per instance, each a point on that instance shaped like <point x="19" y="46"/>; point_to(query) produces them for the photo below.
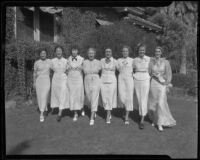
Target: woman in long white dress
<point x="91" y="68"/>
<point x="142" y="81"/>
<point x="75" y="82"/>
<point x="42" y="81"/>
<point x="125" y="81"/>
<point x="59" y="92"/>
<point x="108" y="83"/>
<point x="161" y="74"/>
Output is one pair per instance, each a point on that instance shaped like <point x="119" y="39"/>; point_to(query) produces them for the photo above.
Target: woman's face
<point x="125" y="52"/>
<point x="142" y="51"/>
<point x="43" y="55"/>
<point x="158" y="53"/>
<point x="108" y="53"/>
<point x="59" y="52"/>
<point x="74" y="52"/>
<point x="91" y="54"/>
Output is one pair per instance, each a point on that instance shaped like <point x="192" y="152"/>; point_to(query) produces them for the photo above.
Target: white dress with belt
<point x="109" y="84"/>
<point x="92" y="82"/>
<point x="142" y="82"/>
<point x="125" y="82"/>
<point x="75" y="83"/>
<point x="59" y="92"/>
<point x="42" y="71"/>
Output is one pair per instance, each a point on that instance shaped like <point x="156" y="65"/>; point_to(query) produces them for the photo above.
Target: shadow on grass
<point x="19" y="148"/>
<point x="101" y="112"/>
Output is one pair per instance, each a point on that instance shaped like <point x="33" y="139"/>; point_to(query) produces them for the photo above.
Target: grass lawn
<point x="26" y="135"/>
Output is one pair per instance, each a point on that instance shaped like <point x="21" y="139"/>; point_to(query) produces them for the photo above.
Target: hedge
<point x="19" y="60"/>
<point x="187" y="82"/>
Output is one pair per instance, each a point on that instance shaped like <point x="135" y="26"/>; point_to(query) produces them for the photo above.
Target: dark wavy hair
<point x="128" y="47"/>
<point x="40" y="50"/>
<point x="59" y="46"/>
<point x="74" y="46"/>
<point x="139" y="45"/>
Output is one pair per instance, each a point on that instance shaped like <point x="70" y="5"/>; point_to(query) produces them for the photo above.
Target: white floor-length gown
<point x="59" y="92"/>
<point x="42" y="72"/>
<point x="159" y="110"/>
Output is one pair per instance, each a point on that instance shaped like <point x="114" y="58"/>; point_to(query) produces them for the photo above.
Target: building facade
<point x="42" y="23"/>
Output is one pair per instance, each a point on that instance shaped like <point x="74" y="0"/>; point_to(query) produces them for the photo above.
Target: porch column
<point x="55" y="39"/>
<point x="15" y="22"/>
<point x="36" y="24"/>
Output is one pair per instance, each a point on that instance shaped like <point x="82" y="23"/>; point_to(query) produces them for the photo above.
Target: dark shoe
<point x="59" y="118"/>
<point x="45" y="113"/>
<point x="141" y="126"/>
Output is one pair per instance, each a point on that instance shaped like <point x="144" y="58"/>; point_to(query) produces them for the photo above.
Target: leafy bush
<point x="20" y="57"/>
<point x="187" y="82"/>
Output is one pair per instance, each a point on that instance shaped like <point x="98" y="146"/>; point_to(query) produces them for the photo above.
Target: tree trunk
<point x="183" y="61"/>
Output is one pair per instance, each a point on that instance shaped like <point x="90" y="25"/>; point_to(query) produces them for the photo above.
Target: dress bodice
<point x="42" y="67"/>
<point x="59" y="66"/>
<point x="91" y="67"/>
<point x="125" y="66"/>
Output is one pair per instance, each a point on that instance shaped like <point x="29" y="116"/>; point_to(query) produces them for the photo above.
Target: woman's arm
<point x="168" y="72"/>
<point x="34" y="74"/>
<point x="150" y="67"/>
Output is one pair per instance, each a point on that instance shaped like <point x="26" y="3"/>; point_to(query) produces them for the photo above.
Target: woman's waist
<point x="59" y="75"/>
<point x="108" y="72"/>
<point x="126" y="73"/>
<point x="43" y="75"/>
<point x="92" y="76"/>
<point x="141" y="76"/>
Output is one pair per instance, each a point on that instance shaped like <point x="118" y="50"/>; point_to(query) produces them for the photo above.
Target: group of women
<point x="148" y="77"/>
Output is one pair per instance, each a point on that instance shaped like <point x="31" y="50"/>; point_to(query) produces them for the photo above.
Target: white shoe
<point x="126" y="122"/>
<point x="41" y="118"/>
<point x="75" y="118"/>
<point x="160" y="128"/>
<point x="153" y="125"/>
<point x="83" y="113"/>
<point x="91" y="122"/>
<point x="108" y="122"/>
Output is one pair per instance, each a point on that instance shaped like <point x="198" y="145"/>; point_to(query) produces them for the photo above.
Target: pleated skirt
<point x="142" y="94"/>
<point x="109" y="94"/>
<point x="76" y="92"/>
<point x="59" y="92"/>
<point x="125" y="92"/>
<point x="42" y="91"/>
<point x="92" y="85"/>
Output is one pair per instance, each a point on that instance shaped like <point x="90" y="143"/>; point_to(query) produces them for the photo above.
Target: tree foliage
<point x="10" y="15"/>
<point x="180" y="36"/>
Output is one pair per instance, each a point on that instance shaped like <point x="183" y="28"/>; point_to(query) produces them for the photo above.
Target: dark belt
<point x="141" y="71"/>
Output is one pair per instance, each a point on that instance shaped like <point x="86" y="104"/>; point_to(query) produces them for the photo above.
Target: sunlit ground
<point x="26" y="135"/>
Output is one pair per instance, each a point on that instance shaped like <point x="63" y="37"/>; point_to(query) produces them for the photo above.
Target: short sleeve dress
<point x="42" y="72"/>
